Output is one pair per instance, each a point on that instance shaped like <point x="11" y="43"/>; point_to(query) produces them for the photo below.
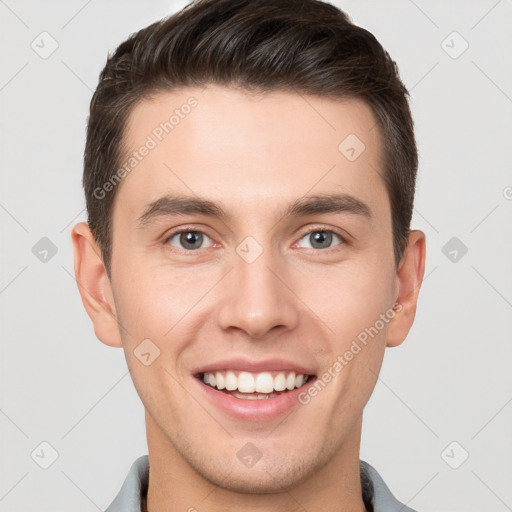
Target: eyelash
<point x="311" y="230"/>
<point x="324" y="230"/>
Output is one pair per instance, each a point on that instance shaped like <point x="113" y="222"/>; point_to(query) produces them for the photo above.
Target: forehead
<point x="249" y="149"/>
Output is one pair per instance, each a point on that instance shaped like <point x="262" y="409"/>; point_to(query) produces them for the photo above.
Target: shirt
<point x="376" y="495"/>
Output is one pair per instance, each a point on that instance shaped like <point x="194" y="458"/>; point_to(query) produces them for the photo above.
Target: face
<point x="252" y="248"/>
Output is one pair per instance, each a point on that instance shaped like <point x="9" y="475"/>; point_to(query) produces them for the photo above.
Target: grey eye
<point x="320" y="239"/>
<point x="189" y="240"/>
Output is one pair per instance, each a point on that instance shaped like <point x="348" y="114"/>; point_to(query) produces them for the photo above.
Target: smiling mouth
<point x="254" y="386"/>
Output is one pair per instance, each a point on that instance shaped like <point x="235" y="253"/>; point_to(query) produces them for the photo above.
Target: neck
<point x="175" y="486"/>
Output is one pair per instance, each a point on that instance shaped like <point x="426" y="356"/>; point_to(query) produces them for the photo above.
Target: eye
<point x="321" y="238"/>
<point x="189" y="240"/>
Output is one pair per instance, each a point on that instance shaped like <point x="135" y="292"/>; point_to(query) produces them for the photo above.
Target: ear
<point x="409" y="277"/>
<point x="94" y="285"/>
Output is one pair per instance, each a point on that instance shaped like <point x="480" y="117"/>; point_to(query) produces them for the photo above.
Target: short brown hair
<point x="304" y="46"/>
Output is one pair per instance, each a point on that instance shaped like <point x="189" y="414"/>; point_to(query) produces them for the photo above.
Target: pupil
<point x="189" y="238"/>
<point x="321" y="237"/>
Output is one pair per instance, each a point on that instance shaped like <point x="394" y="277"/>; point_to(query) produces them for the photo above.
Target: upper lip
<point x="267" y="365"/>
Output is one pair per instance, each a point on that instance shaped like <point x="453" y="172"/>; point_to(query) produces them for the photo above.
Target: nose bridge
<point x="258" y="300"/>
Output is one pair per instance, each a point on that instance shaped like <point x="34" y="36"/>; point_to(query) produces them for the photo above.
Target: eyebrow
<point x="171" y="205"/>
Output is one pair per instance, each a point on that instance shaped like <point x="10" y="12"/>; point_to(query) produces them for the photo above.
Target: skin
<point x="252" y="154"/>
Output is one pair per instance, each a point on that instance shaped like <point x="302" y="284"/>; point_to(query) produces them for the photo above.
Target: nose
<point x="259" y="298"/>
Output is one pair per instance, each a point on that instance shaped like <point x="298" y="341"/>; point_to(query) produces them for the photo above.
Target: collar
<point x="376" y="494"/>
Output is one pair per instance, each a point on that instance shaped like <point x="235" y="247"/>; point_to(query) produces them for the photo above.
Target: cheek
<point x="349" y="300"/>
<point x="166" y="307"/>
<point x="153" y="311"/>
<point x="355" y="305"/>
<point x="152" y="300"/>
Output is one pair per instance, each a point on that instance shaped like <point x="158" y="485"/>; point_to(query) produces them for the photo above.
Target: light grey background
<point x="451" y="379"/>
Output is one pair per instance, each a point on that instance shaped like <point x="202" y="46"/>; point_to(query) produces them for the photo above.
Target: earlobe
<point x="94" y="285"/>
<point x="409" y="277"/>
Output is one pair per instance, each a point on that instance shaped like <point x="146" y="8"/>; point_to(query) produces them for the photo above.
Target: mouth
<point x="246" y="385"/>
<point x="254" y="391"/>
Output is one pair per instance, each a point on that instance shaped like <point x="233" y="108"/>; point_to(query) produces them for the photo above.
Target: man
<point x="249" y="175"/>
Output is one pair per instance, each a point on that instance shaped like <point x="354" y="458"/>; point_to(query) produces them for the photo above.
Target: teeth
<point x="290" y="381"/>
<point x="247" y="382"/>
<point x="254" y="396"/>
<point x="280" y="382"/>
<point x="231" y="381"/>
<point x="220" y="383"/>
<point x="264" y="383"/>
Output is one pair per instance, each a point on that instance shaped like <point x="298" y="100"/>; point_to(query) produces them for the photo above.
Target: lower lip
<point x="254" y="410"/>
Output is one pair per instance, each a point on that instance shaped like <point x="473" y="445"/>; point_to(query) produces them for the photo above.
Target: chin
<point x="262" y="480"/>
<point x="271" y="474"/>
